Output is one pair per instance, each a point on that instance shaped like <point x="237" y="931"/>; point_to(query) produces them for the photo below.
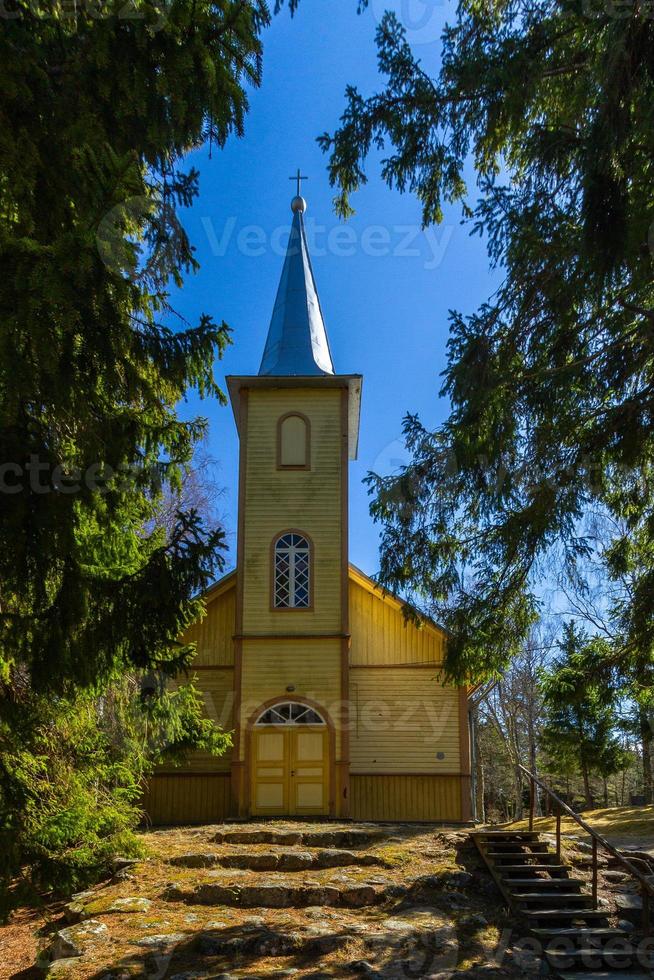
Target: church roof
<point x="297" y="341"/>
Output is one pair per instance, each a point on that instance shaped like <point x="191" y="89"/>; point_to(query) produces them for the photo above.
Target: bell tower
<point x="298" y="427"/>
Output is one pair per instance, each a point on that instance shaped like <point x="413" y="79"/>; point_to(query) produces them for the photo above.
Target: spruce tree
<point x="98" y="106"/>
<point x="551" y="382"/>
<point x="580" y="710"/>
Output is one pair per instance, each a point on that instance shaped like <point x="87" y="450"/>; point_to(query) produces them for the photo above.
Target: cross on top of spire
<point x="299" y="178"/>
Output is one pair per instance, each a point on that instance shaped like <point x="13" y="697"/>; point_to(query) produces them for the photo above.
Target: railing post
<point x="594" y="873"/>
<point x="647" y="922"/>
<point x="558" y="836"/>
<point x="532" y="803"/>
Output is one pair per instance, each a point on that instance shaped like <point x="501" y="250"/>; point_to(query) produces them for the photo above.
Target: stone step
<point x="277" y="896"/>
<point x="278" y="860"/>
<point x="268" y="941"/>
<point x="307" y="838"/>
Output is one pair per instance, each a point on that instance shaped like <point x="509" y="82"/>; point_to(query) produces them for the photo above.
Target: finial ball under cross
<point x="298" y="203"/>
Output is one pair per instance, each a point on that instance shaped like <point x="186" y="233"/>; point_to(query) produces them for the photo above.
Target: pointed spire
<point x="297" y="340"/>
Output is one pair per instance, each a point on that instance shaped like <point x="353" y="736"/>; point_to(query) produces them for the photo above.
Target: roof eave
<point x="354" y="383"/>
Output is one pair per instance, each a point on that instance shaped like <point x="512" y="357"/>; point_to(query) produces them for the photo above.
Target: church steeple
<point x="297" y="343"/>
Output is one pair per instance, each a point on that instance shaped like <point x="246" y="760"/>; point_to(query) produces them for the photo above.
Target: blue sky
<point x="385" y="286"/>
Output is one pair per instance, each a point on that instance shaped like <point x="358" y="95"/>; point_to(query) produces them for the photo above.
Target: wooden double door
<point x="289" y="770"/>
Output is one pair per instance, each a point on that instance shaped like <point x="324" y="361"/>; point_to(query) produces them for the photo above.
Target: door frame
<point x="331" y="746"/>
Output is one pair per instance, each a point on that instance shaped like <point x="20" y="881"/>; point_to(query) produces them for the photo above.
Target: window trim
<point x="291" y="609"/>
<point x="307" y="446"/>
<point x="322" y="722"/>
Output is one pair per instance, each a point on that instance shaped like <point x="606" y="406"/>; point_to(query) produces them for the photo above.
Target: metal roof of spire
<point x="297" y="341"/>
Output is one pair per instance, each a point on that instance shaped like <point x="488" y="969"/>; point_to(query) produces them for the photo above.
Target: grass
<point x="618" y="821"/>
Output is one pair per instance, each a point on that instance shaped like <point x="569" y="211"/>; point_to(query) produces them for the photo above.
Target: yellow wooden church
<point x="336" y="704"/>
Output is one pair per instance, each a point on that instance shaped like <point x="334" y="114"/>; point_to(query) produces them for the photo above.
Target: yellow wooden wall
<point x="311" y="666"/>
<point x="276" y="500"/>
<point x="430" y="798"/>
<point x="380" y="633"/>
<point x="401" y="718"/>
<point x="186" y="799"/>
<point x="199" y="786"/>
<point x="214" y="634"/>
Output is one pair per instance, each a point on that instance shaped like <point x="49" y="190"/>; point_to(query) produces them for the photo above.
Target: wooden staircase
<point x="577" y="938"/>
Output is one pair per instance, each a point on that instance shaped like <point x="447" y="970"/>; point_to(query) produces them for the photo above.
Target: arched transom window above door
<point x="290" y="713"/>
<point x="292" y="571"/>
<point x="294" y="442"/>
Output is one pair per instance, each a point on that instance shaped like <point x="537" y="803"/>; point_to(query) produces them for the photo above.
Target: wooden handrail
<point x="593" y="833"/>
<point x="646" y="886"/>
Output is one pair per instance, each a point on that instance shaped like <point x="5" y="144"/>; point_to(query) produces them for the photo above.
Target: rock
<point x="460" y="879"/>
<point x="323" y="945"/>
<point x="131" y="903"/>
<point x="60" y="968"/>
<point x="174" y="892"/>
<point x="476" y="920"/>
<point x="80" y="911"/>
<point x="363" y="967"/>
<point x="121" y="863"/>
<point x="616" y="877"/>
<point x="455" y="900"/>
<point x="161" y="941"/>
<point x="194" y="860"/>
<point x="625" y="902"/>
<point x="84" y="896"/>
<point x="74" y="940"/>
<point x="626" y="925"/>
<point x="296" y="860"/>
<point x="74" y="912"/>
<point x="124" y="876"/>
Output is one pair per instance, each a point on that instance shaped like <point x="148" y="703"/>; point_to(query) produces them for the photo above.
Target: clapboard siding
<point x="426" y="797"/>
<point x="214" y="634"/>
<point x="401" y="719"/>
<point x="276" y="500"/>
<point x="184" y="799"/>
<point x="311" y="667"/>
<point x="382" y="635"/>
<point x="217" y="688"/>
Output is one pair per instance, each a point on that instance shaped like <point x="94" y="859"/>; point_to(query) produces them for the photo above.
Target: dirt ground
<point x="396" y="901"/>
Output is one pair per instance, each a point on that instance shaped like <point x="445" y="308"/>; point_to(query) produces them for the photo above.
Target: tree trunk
<point x="480" y="774"/>
<point x="588" y="794"/>
<point x="517" y="792"/>
<point x="533" y="765"/>
<point x="646" y="734"/>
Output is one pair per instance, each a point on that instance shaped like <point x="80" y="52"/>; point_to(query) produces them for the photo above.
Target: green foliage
<point x="97" y="109"/>
<point x="98" y="106"/>
<point x="581" y="721"/>
<point x="72" y="772"/>
<point x="551" y="382"/>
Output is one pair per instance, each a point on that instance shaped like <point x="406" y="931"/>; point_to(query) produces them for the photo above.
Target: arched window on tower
<point x="293" y="442"/>
<point x="292" y="571"/>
